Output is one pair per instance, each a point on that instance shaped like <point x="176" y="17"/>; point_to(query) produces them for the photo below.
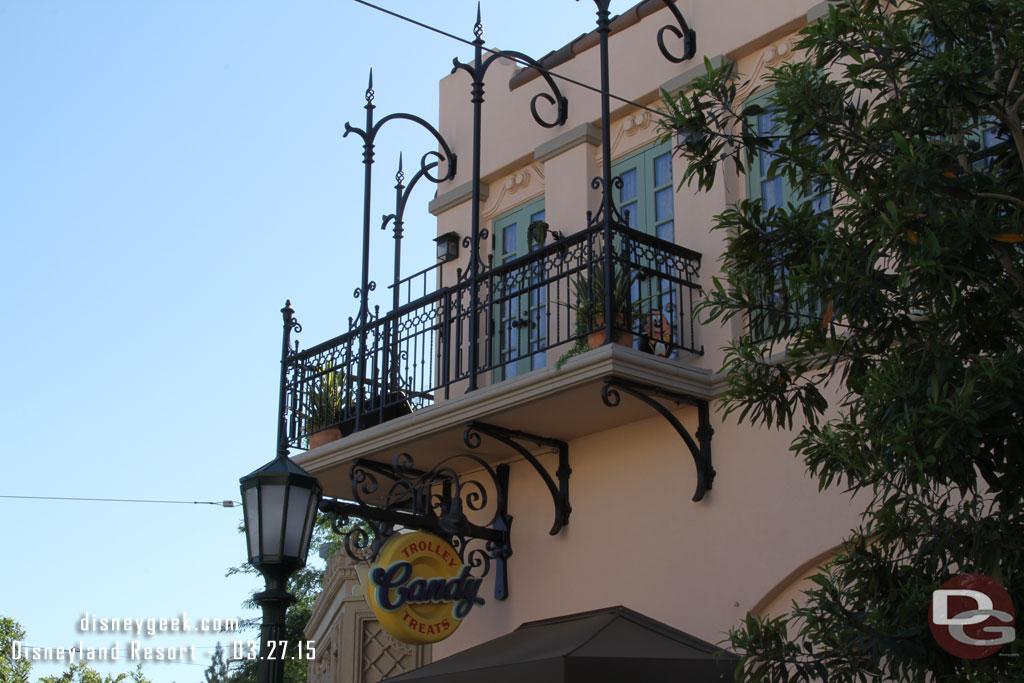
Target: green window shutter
<point x="646" y="201"/>
<point x="783" y="308"/>
<point x="520" y="320"/>
<point x="647" y="194"/>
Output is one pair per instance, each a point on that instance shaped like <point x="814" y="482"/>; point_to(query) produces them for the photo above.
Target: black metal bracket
<point x="646" y="392"/>
<point x="511" y="438"/>
<point x="432" y="501"/>
<point x="399" y="495"/>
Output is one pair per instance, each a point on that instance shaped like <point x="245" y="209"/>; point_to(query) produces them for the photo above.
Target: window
<point x="646" y="202"/>
<point x="520" y="311"/>
<point x="647" y="193"/>
<point x="783" y="309"/>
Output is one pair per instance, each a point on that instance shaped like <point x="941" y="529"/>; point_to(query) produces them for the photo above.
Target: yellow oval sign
<point x="419" y="588"/>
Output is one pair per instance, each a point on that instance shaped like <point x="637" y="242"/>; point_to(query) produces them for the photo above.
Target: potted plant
<point x="536" y="234"/>
<point x="589" y="305"/>
<point x="323" y="413"/>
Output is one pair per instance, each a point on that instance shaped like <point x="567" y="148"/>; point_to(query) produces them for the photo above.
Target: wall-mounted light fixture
<point x="447" y="247"/>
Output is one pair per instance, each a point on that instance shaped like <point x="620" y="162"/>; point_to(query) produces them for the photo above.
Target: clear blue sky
<point x="170" y="173"/>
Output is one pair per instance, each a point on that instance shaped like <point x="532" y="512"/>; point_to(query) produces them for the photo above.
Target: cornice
<point x="586" y="133"/>
<point x="452" y="198"/>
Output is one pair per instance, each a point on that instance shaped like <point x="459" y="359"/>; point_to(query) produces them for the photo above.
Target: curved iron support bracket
<point x="702" y="453"/>
<point x="511" y="438"/>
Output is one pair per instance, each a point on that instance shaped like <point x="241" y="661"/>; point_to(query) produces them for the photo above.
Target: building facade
<point x="617" y="481"/>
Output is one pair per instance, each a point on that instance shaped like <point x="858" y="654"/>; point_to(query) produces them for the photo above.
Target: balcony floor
<point x="564" y="404"/>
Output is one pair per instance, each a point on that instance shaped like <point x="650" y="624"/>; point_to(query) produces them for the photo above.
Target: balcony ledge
<point x="558" y="404"/>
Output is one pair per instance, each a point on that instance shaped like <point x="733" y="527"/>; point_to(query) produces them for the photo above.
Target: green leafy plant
<point x="323" y="407"/>
<point x="905" y="388"/>
<point x="588" y="302"/>
<point x="537" y="234"/>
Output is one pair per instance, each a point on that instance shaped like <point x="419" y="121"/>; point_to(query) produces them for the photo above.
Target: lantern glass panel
<point x="298" y="501"/>
<point x="307" y="537"/>
<point x="252" y="520"/>
<point x="271" y="512"/>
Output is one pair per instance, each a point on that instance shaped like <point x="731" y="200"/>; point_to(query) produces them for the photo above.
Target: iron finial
<point x="369" y="88"/>
<point x="478" y="29"/>
<point x="400" y="176"/>
<point x="287" y="311"/>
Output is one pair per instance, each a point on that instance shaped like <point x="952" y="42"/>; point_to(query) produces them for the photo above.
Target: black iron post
<point x="290" y="325"/>
<point x="399" y="223"/>
<point x="363" y="319"/>
<point x="477" y="72"/>
<point x="274" y="601"/>
<point x="474" y="255"/>
<point x="603" y="29"/>
<point x="364" y="287"/>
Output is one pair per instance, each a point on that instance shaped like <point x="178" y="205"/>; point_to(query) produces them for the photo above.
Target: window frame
<point x="534" y="300"/>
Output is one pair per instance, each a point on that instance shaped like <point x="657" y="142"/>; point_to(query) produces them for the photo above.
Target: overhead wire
<point x="518" y="60"/>
<point x="222" y="503"/>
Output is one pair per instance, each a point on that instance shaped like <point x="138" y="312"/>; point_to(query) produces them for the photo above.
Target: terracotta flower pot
<point x="324" y="436"/>
<point x="596" y="338"/>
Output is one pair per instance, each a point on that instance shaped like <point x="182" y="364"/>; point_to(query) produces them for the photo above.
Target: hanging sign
<point x="419" y="588"/>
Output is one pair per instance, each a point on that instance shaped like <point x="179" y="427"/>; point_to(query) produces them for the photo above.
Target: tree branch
<point x="1001" y="197"/>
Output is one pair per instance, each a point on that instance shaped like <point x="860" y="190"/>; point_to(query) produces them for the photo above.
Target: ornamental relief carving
<point x="514" y="189"/>
<point x="773" y="55"/>
<point x="631" y="133"/>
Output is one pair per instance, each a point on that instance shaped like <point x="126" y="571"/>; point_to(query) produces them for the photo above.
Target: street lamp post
<point x="280" y="502"/>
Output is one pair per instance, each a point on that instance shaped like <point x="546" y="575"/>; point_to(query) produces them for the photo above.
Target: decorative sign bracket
<point x="385" y="497"/>
<point x="646" y="393"/>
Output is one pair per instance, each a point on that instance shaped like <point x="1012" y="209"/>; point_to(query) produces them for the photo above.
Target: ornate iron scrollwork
<point x="683" y="31"/>
<point x="385" y="497"/>
<point x="701" y="453"/>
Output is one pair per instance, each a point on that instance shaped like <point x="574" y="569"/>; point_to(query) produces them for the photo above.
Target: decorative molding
<point x="451" y="199"/>
<point x="794" y="579"/>
<point x="772" y="56"/>
<point x="516" y="189"/>
<point x="631" y="133"/>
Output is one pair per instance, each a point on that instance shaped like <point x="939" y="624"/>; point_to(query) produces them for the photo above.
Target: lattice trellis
<point x="382" y="655"/>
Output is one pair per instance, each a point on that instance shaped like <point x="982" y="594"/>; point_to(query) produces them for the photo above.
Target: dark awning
<point x="614" y="644"/>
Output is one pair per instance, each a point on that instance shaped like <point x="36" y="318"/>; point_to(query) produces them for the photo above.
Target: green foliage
<point x="325" y="400"/>
<point x="305" y="585"/>
<point x="17" y="671"/>
<point x="536" y="234"/>
<point x="904" y="384"/>
<point x="588" y="290"/>
<point x="12" y="670"/>
<point x="80" y="672"/>
<point x="217" y="672"/>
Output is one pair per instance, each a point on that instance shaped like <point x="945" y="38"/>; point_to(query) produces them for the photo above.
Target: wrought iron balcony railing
<point x="530" y="312"/>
